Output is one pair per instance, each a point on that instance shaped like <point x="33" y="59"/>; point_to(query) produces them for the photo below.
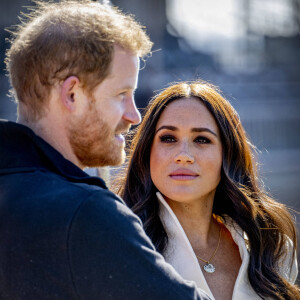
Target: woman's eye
<point x="202" y="140"/>
<point x="167" y="139"/>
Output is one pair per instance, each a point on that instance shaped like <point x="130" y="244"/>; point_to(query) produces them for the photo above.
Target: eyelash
<point x="122" y="94"/>
<point x="168" y="139"/>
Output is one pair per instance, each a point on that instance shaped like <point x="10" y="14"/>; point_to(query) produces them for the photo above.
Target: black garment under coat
<point x="64" y="235"/>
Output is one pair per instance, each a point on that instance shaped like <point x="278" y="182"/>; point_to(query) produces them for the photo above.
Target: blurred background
<point x="249" y="48"/>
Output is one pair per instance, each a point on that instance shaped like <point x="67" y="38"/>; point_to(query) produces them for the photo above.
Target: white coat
<point x="180" y="254"/>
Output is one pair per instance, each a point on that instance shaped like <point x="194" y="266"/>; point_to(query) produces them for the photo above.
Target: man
<point x="73" y="67"/>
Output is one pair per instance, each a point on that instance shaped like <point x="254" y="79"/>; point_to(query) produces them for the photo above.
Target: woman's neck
<point x="196" y="218"/>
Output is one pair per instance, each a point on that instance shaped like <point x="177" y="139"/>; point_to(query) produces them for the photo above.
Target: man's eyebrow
<point x="196" y="129"/>
<point x="128" y="88"/>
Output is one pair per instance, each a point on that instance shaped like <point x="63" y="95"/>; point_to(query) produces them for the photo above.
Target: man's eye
<point x="202" y="140"/>
<point x="167" y="139"/>
<point x="121" y="95"/>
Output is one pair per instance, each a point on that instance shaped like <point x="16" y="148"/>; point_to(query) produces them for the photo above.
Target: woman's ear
<point x="70" y="91"/>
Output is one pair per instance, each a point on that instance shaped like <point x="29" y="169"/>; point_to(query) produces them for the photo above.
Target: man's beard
<point x="94" y="142"/>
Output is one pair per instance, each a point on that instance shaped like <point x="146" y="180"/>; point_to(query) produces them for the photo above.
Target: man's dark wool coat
<point x="64" y="235"/>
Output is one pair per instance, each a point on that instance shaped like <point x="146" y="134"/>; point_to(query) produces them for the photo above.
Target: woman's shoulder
<point x="287" y="265"/>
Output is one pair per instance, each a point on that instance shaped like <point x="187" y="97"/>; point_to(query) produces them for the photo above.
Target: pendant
<point x="209" y="268"/>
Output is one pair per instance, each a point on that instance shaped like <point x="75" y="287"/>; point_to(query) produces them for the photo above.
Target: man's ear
<point x="70" y="91"/>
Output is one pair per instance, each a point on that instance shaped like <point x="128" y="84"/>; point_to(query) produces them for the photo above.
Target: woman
<point x="192" y="181"/>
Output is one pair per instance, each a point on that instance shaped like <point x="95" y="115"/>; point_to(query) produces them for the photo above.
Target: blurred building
<point x="250" y="49"/>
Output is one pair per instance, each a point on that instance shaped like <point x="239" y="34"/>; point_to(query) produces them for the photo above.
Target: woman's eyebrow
<point x="196" y="129"/>
<point x="201" y="129"/>
<point x="172" y="128"/>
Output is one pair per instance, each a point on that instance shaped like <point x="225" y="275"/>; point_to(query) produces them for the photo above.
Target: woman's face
<point x="186" y="153"/>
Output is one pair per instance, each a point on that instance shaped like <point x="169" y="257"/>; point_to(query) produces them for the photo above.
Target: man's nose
<point x="132" y="115"/>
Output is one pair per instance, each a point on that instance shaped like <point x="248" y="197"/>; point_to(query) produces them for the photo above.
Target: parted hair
<point x="239" y="195"/>
<point x="57" y="40"/>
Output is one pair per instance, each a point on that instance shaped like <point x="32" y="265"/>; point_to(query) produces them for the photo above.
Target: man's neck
<point x="54" y="134"/>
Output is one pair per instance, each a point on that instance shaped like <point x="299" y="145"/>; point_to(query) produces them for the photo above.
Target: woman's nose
<point x="184" y="157"/>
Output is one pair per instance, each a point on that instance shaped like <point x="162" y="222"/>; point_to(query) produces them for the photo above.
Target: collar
<point x="167" y="214"/>
<point x="21" y="150"/>
<point x="180" y="254"/>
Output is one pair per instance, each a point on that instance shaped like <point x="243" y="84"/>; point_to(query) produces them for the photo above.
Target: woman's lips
<point x="183" y="174"/>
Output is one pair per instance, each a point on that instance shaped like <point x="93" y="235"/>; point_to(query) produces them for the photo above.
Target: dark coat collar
<point x="21" y="150"/>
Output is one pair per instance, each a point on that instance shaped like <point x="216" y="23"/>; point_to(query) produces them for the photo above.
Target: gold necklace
<point x="208" y="267"/>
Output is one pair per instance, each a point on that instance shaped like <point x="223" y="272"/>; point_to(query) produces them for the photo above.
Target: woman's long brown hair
<point x="267" y="223"/>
